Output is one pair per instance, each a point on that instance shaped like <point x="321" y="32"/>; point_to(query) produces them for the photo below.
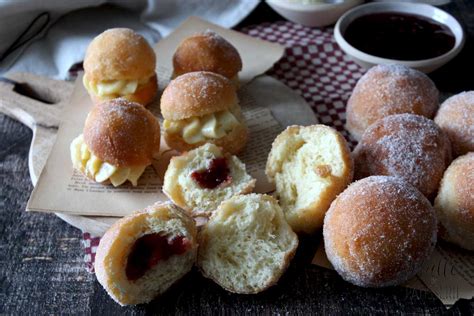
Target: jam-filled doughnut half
<point x="143" y="254"/>
<point x="202" y="107"/>
<point x="120" y="63"/>
<point x="119" y="140"/>
<point x="199" y="180"/>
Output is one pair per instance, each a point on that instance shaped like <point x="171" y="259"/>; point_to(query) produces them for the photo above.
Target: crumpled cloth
<point x="59" y="37"/>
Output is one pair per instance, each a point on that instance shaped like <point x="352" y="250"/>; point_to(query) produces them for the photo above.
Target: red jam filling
<point x="148" y="250"/>
<point x="217" y="173"/>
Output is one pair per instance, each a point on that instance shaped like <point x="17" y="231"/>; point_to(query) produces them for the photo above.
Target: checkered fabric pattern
<point x="313" y="65"/>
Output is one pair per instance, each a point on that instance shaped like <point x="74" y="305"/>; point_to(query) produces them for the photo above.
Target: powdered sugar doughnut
<point x="456" y="119"/>
<point x="389" y="89"/>
<point x="404" y="145"/>
<point x="379" y="231"/>
<point x="455" y="202"/>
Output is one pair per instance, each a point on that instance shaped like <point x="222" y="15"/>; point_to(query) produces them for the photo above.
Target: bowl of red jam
<point x="419" y="36"/>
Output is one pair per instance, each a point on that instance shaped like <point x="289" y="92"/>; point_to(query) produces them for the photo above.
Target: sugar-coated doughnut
<point x="456" y="119"/>
<point x="120" y="63"/>
<point x="202" y="107"/>
<point x="119" y="140"/>
<point x="199" y="180"/>
<point x="247" y="244"/>
<point x="207" y="51"/>
<point x="310" y="166"/>
<point x="389" y="89"/>
<point x="404" y="145"/>
<point x="379" y="231"/>
<point x="143" y="254"/>
<point x="455" y="202"/>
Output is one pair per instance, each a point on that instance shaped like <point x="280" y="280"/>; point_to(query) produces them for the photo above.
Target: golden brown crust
<point x="111" y="253"/>
<point x="119" y="54"/>
<point x="122" y="133"/>
<point x="386" y="90"/>
<point x="207" y="51"/>
<point x="233" y="142"/>
<point x="379" y="231"/>
<point x="456" y="119"/>
<point x="197" y="94"/>
<point x="455" y="202"/>
<point x="144" y="95"/>
<point x="405" y="145"/>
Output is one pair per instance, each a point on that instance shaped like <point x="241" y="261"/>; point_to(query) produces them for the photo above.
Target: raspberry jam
<point x="148" y="250"/>
<point x="217" y="173"/>
<point x="399" y="36"/>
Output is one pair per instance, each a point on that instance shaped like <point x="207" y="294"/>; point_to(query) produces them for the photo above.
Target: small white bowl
<point x="426" y="65"/>
<point x="314" y="15"/>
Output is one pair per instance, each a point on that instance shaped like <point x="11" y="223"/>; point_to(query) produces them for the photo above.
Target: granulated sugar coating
<point x="122" y="133"/>
<point x="197" y="94"/>
<point x="390" y="89"/>
<point x="456" y="119"/>
<point x="207" y="51"/>
<point x="408" y="146"/>
<point x="379" y="231"/>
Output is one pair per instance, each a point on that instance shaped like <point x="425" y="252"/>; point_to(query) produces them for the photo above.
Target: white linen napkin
<point x="58" y="38"/>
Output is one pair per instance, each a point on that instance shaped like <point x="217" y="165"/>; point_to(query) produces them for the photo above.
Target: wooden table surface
<point x="41" y="257"/>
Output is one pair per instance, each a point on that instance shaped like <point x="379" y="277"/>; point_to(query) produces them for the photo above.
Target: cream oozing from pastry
<point x="100" y="171"/>
<point x="114" y="88"/>
<point x="201" y="128"/>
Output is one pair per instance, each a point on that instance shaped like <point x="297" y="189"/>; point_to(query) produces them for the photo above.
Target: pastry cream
<point x="85" y="161"/>
<point x="198" y="129"/>
<point x="113" y="88"/>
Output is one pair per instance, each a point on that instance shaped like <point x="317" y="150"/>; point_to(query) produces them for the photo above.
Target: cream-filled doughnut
<point x="389" y="89"/>
<point x="120" y="63"/>
<point x="199" y="180"/>
<point x="119" y="140"/>
<point x="202" y="107"/>
<point x="379" y="232"/>
<point x="455" y="202"/>
<point x="207" y="51"/>
<point x="143" y="254"/>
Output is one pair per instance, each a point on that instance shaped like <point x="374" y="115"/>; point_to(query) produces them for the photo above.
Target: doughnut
<point x="379" y="232"/>
<point x="120" y="63"/>
<point x="119" y="140"/>
<point x="310" y="166"/>
<point x="247" y="244"/>
<point x="199" y="180"/>
<point x="389" y="89"/>
<point x="207" y="51"/>
<point x="202" y="107"/>
<point x="408" y="146"/>
<point x="455" y="202"/>
<point x="143" y="254"/>
<point x="456" y="119"/>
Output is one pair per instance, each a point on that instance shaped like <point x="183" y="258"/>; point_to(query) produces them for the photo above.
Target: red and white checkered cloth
<point x="313" y="65"/>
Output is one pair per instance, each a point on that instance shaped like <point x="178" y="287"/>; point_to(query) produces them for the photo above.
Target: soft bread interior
<point x="112" y="259"/>
<point x="187" y="193"/>
<point x="310" y="166"/>
<point x="247" y="244"/>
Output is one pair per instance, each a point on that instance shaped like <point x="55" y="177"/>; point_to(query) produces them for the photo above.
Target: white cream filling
<point x="111" y="88"/>
<point x="198" y="129"/>
<point x="88" y="163"/>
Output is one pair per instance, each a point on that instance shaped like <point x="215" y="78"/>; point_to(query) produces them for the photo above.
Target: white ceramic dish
<point x="426" y="65"/>
<point x="314" y="15"/>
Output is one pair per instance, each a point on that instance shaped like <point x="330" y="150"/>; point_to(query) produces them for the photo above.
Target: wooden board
<point x="44" y="120"/>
